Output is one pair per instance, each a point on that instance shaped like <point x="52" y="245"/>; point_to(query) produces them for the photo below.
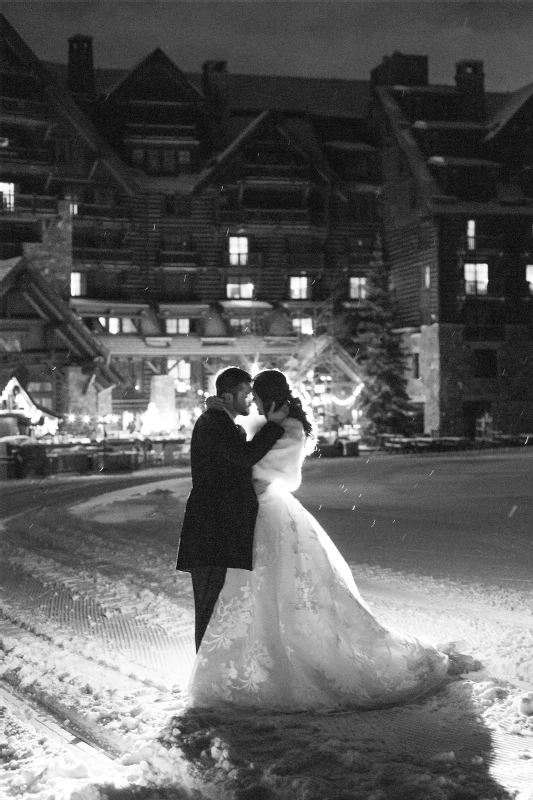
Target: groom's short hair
<point x="230" y="379"/>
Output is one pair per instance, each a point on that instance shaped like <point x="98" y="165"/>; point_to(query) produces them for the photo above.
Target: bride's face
<point x="259" y="404"/>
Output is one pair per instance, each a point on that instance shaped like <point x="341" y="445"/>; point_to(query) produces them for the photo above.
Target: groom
<point x="219" y="521"/>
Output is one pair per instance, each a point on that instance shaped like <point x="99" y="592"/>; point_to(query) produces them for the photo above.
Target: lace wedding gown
<point x="295" y="634"/>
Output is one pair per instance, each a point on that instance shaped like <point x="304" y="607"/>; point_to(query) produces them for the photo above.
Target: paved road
<point x="468" y="516"/>
<point x="33" y="494"/>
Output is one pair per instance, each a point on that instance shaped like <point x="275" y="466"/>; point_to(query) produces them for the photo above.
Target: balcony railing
<point x="101" y="211"/>
<point x="25" y="155"/>
<point x="248" y="261"/>
<point x="304" y="260"/>
<point x="29" y="204"/>
<point x="101" y="254"/>
<point x="26" y="108"/>
<point x="279" y="216"/>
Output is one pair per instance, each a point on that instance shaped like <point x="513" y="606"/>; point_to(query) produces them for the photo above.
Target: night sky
<point x="315" y="39"/>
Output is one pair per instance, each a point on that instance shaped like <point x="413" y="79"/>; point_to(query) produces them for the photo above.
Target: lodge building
<point x="193" y="221"/>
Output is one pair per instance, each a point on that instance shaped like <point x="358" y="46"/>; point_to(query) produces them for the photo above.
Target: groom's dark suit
<point x="219" y="522"/>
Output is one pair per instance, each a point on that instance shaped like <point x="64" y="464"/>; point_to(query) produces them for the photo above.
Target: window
<point x="238" y="250"/>
<point x="63" y="151"/>
<point x="476" y="278"/>
<point x="298" y="288"/>
<point x="241" y="324"/>
<point x="7" y="191"/>
<point x="137" y="157"/>
<point x="239" y="287"/>
<point x="357" y="288"/>
<point x="485" y="363"/>
<point x="529" y="277"/>
<point x="303" y="325"/>
<point x="471" y="234"/>
<point x="78" y="284"/>
<point x="180" y="326"/>
<point x="181" y="372"/>
<point x="427" y="277"/>
<point x="415" y="364"/>
<point x="116" y="325"/>
<point x="169" y="162"/>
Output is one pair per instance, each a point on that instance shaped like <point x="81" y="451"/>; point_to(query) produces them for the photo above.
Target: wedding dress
<point x="294" y="634"/>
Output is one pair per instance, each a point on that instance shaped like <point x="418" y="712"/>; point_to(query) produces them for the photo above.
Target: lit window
<point x="471" y="234"/>
<point x="427" y="277"/>
<point x="303" y="325"/>
<point x="113" y="325"/>
<point x="181" y="372"/>
<point x="299" y="288"/>
<point x="7" y="190"/>
<point x="78" y="284"/>
<point x="239" y="287"/>
<point x="357" y="288"/>
<point x="529" y="277"/>
<point x="128" y="325"/>
<point x="73" y="208"/>
<point x="180" y="326"/>
<point x="241" y="324"/>
<point x="476" y="278"/>
<point x="238" y="250"/>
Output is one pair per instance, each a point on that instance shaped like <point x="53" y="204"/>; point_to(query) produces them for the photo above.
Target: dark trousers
<point x="207" y="583"/>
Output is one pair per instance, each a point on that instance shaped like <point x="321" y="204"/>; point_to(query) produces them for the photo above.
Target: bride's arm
<point x="283" y="461"/>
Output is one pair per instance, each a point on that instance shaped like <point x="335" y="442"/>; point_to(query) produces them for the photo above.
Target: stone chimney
<point x="80" y="80"/>
<point x="470" y="84"/>
<point x="215" y="86"/>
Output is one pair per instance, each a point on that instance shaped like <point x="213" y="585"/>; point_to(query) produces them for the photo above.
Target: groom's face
<point x="242" y="400"/>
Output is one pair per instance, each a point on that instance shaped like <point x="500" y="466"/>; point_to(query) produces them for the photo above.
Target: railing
<point x="29" y="204"/>
<point x="101" y="210"/>
<point x="304" y="260"/>
<point x="101" y="254"/>
<point x="280" y="216"/>
<point x="251" y="260"/>
<point x="12" y="105"/>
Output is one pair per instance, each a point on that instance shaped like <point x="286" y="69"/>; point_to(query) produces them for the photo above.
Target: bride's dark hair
<point x="272" y="387"/>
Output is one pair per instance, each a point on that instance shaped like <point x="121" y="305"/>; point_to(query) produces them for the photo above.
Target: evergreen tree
<point x="384" y="401"/>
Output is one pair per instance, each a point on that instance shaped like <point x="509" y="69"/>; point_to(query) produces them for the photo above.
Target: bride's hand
<point x="278" y="416"/>
<point x="214" y="402"/>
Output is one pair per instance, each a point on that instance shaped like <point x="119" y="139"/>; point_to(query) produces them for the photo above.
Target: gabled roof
<point x="157" y="59"/>
<point x="297" y="132"/>
<point x="18" y="272"/>
<point x="508" y="110"/>
<point x="65" y="106"/>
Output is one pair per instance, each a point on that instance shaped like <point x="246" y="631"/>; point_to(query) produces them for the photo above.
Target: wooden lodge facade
<point x="199" y="221"/>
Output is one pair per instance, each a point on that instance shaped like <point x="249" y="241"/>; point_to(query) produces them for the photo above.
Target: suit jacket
<point x="218" y="526"/>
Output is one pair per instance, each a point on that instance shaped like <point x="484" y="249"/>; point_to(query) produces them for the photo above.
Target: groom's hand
<point x="279" y="415"/>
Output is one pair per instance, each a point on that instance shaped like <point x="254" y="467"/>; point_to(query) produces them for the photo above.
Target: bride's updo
<point x="272" y="387"/>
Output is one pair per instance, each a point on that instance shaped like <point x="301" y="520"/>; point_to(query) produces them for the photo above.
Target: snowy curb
<point x="120" y="495"/>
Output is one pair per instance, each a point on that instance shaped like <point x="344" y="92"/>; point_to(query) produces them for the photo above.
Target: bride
<point x="295" y="634"/>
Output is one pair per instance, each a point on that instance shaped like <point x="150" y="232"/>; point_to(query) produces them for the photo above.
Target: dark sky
<point x="317" y="39"/>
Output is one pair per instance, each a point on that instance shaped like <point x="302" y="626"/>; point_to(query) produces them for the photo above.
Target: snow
<point x="471" y="740"/>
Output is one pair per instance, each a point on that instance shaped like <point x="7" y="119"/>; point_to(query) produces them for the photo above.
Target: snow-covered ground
<point x="112" y="559"/>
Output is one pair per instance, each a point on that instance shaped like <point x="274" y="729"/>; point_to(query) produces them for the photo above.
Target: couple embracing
<point x="280" y="623"/>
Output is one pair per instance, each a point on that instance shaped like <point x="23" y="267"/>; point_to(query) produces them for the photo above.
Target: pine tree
<point x="384" y="401"/>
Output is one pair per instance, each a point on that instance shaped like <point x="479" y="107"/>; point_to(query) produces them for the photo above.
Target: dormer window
<point x="239" y="287"/>
<point x="78" y="284"/>
<point x="357" y="288"/>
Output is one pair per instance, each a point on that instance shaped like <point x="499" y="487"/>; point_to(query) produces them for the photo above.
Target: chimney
<point x="401" y="70"/>
<point x="215" y="86"/>
<point x="470" y="85"/>
<point x="80" y="80"/>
